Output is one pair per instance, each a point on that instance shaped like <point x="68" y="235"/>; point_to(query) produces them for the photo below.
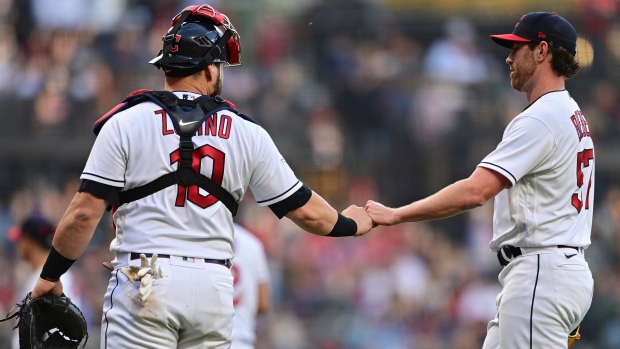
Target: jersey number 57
<point x="584" y="158"/>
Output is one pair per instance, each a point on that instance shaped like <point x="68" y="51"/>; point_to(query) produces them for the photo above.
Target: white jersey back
<point x="139" y="145"/>
<point x="249" y="270"/>
<point x="548" y="156"/>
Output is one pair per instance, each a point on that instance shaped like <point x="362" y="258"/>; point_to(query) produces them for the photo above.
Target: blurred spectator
<point x="453" y="65"/>
<point x="596" y="19"/>
<point x="98" y="15"/>
<point x="604" y="110"/>
<point x="62" y="14"/>
<point x="456" y="57"/>
<point x="325" y="138"/>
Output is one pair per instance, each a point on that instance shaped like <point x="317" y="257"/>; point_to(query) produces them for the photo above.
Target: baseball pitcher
<point x="542" y="178"/>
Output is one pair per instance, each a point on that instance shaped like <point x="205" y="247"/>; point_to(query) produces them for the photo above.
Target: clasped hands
<point x="370" y="216"/>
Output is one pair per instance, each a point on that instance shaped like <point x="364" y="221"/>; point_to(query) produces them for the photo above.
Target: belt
<point x="507" y="253"/>
<point x="225" y="262"/>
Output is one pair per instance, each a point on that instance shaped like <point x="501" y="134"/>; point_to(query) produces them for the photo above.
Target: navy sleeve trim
<point x="275" y="197"/>
<point x="100" y="190"/>
<point x="293" y="202"/>
<point x="106" y="178"/>
<point x="505" y="170"/>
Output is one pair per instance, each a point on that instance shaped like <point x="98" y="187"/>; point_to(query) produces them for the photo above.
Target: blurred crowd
<point x="366" y="100"/>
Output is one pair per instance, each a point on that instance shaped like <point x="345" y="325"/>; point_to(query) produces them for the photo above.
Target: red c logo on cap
<point x="541" y="35"/>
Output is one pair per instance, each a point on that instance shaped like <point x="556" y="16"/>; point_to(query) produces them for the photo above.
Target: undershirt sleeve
<point x="293" y="202"/>
<point x="100" y="190"/>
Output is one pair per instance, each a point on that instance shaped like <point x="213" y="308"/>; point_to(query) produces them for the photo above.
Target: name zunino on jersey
<point x="218" y="125"/>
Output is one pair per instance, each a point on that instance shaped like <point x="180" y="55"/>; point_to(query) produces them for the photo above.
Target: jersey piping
<point x="501" y="168"/>
<point x="102" y="177"/>
<point x="277" y="196"/>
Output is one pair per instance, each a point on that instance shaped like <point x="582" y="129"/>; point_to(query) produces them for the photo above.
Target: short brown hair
<point x="563" y="62"/>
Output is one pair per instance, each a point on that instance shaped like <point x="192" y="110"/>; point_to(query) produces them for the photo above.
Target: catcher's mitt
<point x="49" y="322"/>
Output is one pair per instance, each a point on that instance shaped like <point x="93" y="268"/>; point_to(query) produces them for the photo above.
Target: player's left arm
<point x="74" y="232"/>
<point x="461" y="196"/>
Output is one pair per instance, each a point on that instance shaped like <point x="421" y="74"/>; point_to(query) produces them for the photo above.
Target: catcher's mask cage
<point x="199" y="36"/>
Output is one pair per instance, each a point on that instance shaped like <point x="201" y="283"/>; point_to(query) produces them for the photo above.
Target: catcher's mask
<point x="199" y="36"/>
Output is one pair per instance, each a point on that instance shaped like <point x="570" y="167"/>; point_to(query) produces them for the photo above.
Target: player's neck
<point x="187" y="84"/>
<point x="545" y="84"/>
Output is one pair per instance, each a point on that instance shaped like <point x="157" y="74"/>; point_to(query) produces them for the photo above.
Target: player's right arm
<point x="74" y="232"/>
<point x="320" y="218"/>
<point x="527" y="147"/>
<point x="461" y="196"/>
<point x="77" y="226"/>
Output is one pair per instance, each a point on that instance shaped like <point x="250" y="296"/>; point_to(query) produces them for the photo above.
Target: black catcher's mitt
<point x="49" y="322"/>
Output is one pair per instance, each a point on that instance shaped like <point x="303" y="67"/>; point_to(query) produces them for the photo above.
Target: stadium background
<point x="367" y="99"/>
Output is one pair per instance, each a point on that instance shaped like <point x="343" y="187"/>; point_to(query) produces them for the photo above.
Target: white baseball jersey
<point x="548" y="156"/>
<point x="249" y="270"/>
<point x="139" y="145"/>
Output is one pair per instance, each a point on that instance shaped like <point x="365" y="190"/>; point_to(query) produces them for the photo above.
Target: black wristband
<point x="55" y="266"/>
<point x="344" y="227"/>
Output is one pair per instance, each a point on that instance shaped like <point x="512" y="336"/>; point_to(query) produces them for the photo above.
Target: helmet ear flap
<point x="233" y="51"/>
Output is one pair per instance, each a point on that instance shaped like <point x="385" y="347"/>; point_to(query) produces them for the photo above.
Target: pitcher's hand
<point x="381" y="215"/>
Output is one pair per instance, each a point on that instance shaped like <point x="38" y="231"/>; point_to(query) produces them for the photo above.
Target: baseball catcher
<point x="49" y="322"/>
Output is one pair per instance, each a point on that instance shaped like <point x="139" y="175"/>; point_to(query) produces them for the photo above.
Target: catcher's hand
<point x="49" y="322"/>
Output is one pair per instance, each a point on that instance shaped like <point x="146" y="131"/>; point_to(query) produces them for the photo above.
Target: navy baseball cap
<point x="37" y="228"/>
<point x="541" y="26"/>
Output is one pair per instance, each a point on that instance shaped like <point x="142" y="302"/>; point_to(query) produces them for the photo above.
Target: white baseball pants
<point x="546" y="294"/>
<point x="191" y="307"/>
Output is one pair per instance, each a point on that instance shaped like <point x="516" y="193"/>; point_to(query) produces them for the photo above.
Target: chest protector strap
<point x="186" y="116"/>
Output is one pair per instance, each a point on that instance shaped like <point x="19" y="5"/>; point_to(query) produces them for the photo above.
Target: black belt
<point x="508" y="253"/>
<point x="225" y="262"/>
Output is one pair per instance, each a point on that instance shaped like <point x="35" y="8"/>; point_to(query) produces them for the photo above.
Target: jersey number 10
<point x="191" y="192"/>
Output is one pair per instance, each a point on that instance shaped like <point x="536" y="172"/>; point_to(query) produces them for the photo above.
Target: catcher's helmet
<point x="199" y="36"/>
